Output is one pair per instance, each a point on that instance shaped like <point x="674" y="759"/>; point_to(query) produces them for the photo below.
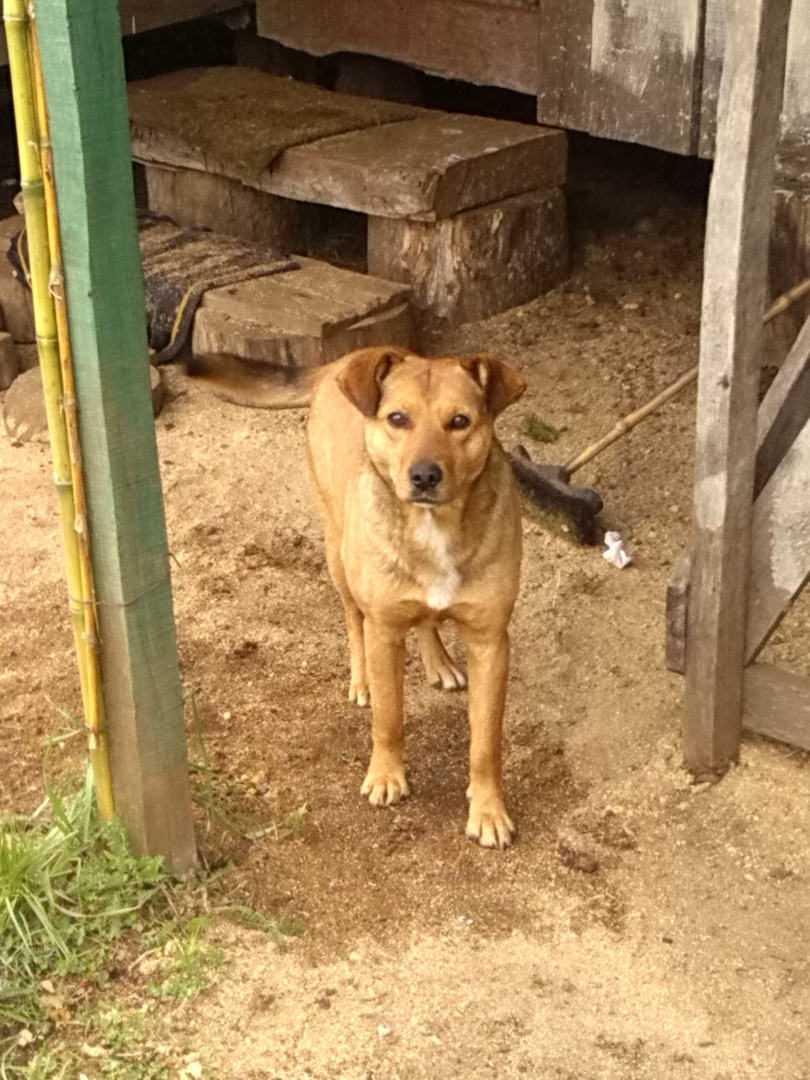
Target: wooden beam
<point x="614" y="70"/>
<point x="784" y="410"/>
<point x="731" y="339"/>
<point x="84" y="75"/>
<point x="459" y="39"/>
<point x="776" y="703"/>
<point x="564" y="63"/>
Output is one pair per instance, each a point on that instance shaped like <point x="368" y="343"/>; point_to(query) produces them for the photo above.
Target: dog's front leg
<point x="385" y="661"/>
<point x="488" y="671"/>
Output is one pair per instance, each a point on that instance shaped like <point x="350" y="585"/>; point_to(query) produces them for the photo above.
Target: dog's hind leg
<point x="440" y="670"/>
<point x="358" y="685"/>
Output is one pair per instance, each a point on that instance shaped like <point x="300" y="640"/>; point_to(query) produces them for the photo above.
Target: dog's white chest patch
<point x="442" y="589"/>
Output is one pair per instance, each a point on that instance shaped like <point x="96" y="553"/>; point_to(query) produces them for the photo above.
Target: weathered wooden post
<point x="85" y="84"/>
<point x="731" y="344"/>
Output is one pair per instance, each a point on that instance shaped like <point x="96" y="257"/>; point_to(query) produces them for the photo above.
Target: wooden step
<point x="467" y="210"/>
<point x="430" y="166"/>
<point x="304" y="317"/>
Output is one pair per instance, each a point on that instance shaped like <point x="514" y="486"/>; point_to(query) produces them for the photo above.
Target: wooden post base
<point x="476" y="263"/>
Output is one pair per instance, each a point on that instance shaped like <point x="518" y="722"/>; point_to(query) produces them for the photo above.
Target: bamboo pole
<point x="46" y="322"/>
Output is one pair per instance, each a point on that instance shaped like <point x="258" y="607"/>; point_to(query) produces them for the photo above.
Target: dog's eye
<point x="398" y="419"/>
<point x="459" y="422"/>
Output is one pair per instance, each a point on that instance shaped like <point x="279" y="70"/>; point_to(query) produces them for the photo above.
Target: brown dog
<point x="421" y="516"/>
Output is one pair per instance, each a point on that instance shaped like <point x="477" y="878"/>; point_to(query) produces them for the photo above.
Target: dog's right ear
<point x="362" y="376"/>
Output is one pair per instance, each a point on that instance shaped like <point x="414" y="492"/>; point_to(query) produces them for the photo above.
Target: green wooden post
<point x="86" y="91"/>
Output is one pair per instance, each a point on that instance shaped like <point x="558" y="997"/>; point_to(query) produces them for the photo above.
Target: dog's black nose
<point x="425" y="475"/>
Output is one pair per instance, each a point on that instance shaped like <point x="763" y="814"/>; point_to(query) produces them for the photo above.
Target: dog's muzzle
<point x="425" y="477"/>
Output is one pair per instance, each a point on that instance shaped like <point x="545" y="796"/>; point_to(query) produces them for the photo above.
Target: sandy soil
<point x="679" y="947"/>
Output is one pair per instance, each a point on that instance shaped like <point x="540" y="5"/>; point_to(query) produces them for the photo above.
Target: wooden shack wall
<point x="644" y="71"/>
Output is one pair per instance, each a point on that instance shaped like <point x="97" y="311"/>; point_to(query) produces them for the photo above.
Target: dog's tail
<point x="255" y="383"/>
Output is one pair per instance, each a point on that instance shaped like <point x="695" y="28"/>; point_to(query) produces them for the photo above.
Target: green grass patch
<point x="536" y="428"/>
<point x="78" y="912"/>
<point x="69" y="888"/>
<point x="188" y="964"/>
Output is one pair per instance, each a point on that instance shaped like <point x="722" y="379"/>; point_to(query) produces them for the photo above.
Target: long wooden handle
<point x="627" y="423"/>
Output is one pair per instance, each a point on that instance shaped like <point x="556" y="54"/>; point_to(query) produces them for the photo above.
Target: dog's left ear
<point x="362" y="377"/>
<point x="501" y="383"/>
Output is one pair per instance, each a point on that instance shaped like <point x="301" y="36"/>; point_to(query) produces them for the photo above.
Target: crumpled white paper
<point x="616" y="554"/>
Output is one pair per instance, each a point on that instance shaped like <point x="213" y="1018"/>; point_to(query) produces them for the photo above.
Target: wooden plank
<point x="304" y="317"/>
<point x="731" y="337"/>
<point x="423" y="169"/>
<point x="794" y="147"/>
<point x="84" y="75"/>
<point x="644" y="72"/>
<point x="780" y="545"/>
<point x="216" y="331"/>
<point x="476" y="263"/>
<point x="795" y="123"/>
<point x="493" y="46"/>
<point x="564" y="63"/>
<point x="316" y="299"/>
<point x="429" y="167"/>
<point x="622" y="71"/>
<point x="776" y="703"/>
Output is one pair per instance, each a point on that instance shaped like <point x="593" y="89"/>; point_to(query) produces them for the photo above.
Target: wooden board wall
<point x="140" y="15"/>
<point x="793" y="156"/>
<point x="622" y="69"/>
<point x="494" y="44"/>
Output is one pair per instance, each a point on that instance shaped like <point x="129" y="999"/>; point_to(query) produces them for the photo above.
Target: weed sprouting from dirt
<point x="205" y="794"/>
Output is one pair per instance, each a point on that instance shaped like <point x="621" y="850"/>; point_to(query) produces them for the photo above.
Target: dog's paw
<point x="490" y="824"/>
<point x="446" y="676"/>
<point x="385" y="785"/>
<point x="359" y="694"/>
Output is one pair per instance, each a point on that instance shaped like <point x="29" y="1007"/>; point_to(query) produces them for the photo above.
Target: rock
<point x="9" y="360"/>
<point x="24" y="409"/>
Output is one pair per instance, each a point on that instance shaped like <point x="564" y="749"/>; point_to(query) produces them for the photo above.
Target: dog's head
<point x="429" y="425"/>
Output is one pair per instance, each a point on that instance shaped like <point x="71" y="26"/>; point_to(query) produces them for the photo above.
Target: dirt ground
<point x="679" y="948"/>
